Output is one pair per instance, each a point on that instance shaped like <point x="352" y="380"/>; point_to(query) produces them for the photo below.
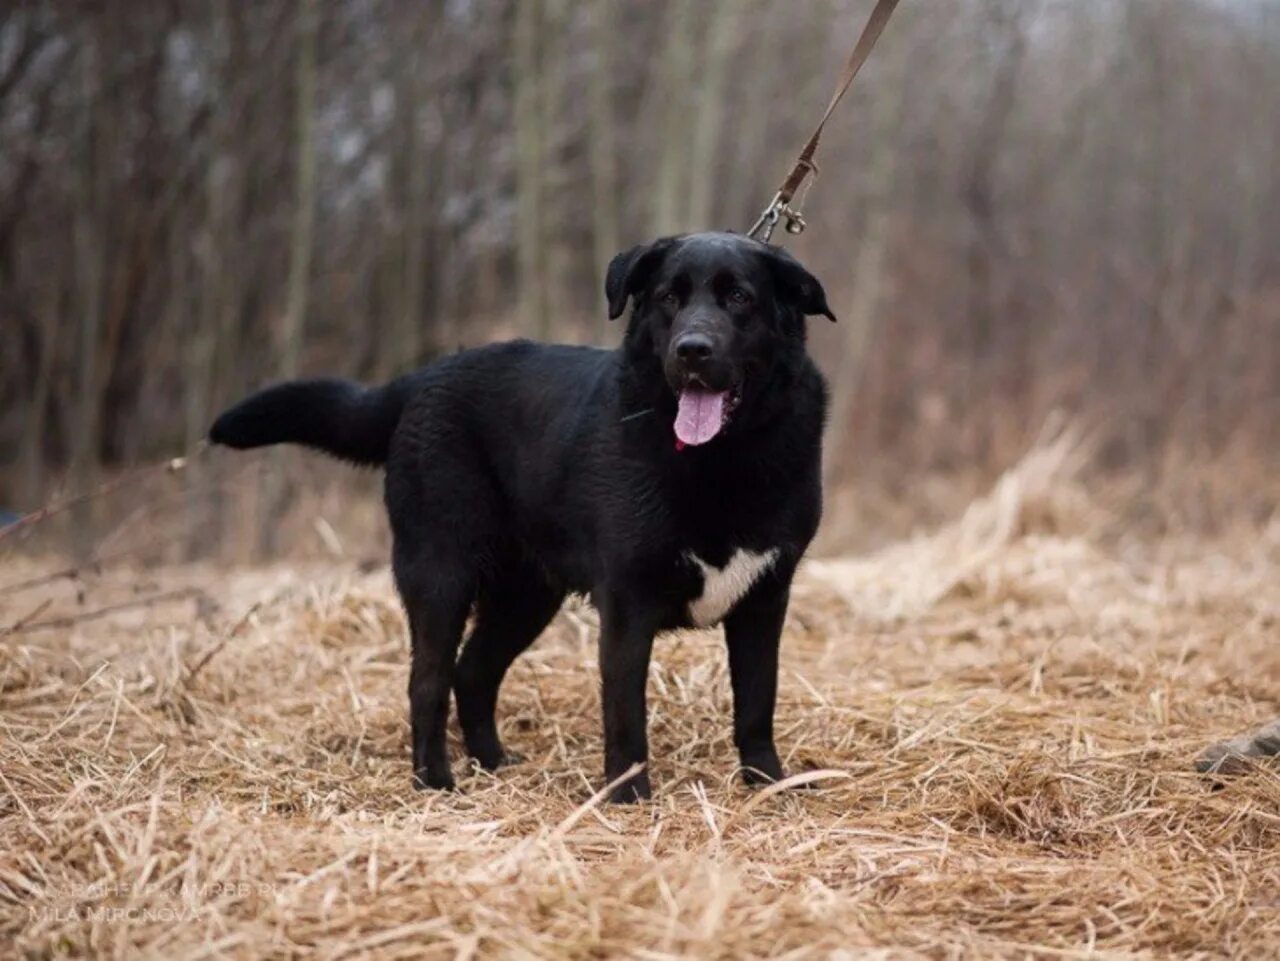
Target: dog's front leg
<point x="626" y="642"/>
<point x="753" y="632"/>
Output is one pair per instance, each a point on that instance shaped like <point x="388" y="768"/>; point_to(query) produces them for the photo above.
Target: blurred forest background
<point x="1025" y="206"/>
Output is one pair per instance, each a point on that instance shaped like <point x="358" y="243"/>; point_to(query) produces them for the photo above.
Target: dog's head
<point x="717" y="313"/>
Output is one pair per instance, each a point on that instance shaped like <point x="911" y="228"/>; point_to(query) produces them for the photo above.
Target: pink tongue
<point x="700" y="415"/>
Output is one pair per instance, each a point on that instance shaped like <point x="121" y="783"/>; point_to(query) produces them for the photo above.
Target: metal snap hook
<point x="762" y="229"/>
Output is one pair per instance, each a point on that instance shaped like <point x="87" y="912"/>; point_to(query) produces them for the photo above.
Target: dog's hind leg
<point x="437" y="598"/>
<point x="444" y="521"/>
<point x="511" y="612"/>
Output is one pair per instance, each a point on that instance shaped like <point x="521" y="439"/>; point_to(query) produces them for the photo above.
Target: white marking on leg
<point x="723" y="587"/>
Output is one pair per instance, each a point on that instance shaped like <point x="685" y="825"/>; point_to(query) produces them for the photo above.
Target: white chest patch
<point x="723" y="587"/>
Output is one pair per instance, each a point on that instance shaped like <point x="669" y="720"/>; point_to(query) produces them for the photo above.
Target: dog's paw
<point x="634" y="789"/>
<point x="761" y="770"/>
<point x="492" y="762"/>
<point x="426" y="780"/>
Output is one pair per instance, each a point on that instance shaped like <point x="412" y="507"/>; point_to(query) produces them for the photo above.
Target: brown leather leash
<point x="780" y="206"/>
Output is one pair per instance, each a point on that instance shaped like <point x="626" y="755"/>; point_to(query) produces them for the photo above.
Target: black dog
<point x="676" y="480"/>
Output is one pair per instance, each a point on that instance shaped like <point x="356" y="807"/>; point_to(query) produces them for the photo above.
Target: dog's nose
<point x="694" y="349"/>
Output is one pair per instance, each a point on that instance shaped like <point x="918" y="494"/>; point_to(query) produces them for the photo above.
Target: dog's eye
<point x="739" y="297"/>
<point x="670" y="300"/>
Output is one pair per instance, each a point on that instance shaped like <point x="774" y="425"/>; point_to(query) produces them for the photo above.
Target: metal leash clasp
<point x="795" y="223"/>
<point x="777" y="210"/>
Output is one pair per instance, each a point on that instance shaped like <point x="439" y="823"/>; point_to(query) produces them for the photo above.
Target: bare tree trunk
<point x="231" y="283"/>
<point x="31" y="453"/>
<point x="387" y="286"/>
<point x="670" y="215"/>
<point x="86" y="440"/>
<point x="304" y="211"/>
<point x="300" y="245"/>
<point x="742" y="194"/>
<point x="205" y="347"/>
<point x="556" y="223"/>
<point x="606" y="231"/>
<point x="531" y="151"/>
<point x="862" y="317"/>
<point x="1160" y="227"/>
<point x="718" y="45"/>
<point x="413" y="89"/>
<point x="985" y="244"/>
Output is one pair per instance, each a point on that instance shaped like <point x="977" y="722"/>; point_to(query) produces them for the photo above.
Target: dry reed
<point x="1004" y="716"/>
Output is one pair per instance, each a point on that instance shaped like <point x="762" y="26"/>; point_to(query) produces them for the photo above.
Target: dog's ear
<point x="631" y="270"/>
<point x="796" y="285"/>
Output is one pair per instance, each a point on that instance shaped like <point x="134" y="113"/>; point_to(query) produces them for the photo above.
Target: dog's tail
<point x="338" y="417"/>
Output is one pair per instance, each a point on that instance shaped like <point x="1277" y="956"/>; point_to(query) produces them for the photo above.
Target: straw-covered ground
<point x="1006" y="711"/>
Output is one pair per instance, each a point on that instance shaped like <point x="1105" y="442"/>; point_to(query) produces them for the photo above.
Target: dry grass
<point x="1010" y="710"/>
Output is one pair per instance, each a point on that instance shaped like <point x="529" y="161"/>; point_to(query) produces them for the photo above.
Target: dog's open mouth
<point x="702" y="413"/>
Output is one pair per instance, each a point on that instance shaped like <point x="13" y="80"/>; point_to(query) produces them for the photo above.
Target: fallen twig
<point x="209" y="655"/>
<point x="27" y="618"/>
<point x="24" y="626"/>
<point x="172" y="466"/>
